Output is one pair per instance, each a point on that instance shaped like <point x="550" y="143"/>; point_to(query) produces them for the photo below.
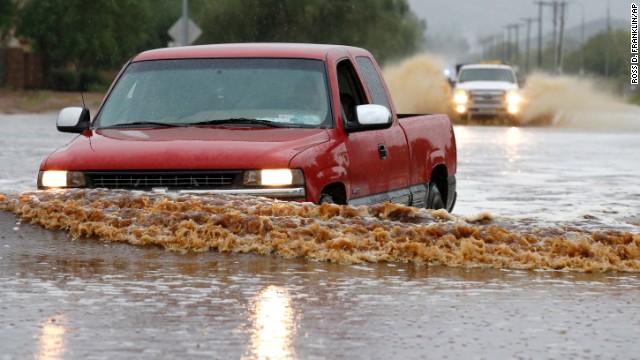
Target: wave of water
<point x="345" y="234"/>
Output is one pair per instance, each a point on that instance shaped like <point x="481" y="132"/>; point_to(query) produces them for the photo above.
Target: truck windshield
<point x="198" y="92"/>
<point x="486" y="75"/>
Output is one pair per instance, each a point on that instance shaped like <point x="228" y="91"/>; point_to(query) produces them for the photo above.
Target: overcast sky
<point x="478" y="18"/>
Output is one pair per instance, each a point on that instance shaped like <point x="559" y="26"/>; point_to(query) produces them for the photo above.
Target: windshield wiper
<point x="141" y="124"/>
<point x="237" y="121"/>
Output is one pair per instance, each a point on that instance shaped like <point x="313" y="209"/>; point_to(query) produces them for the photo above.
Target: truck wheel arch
<point x="334" y="193"/>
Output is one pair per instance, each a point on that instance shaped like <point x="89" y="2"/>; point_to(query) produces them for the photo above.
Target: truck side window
<point x="351" y="93"/>
<point x="373" y="82"/>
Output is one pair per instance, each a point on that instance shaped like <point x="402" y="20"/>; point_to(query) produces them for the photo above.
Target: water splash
<point x="418" y="86"/>
<point x="346" y="234"/>
<point x="567" y="101"/>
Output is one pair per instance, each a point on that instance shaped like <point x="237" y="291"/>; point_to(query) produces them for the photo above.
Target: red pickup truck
<point x="299" y="122"/>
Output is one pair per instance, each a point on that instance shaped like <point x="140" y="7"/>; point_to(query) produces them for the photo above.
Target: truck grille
<point x="170" y="180"/>
<point x="487" y="100"/>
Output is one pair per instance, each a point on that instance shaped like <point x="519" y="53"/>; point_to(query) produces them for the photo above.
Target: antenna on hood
<point x="85" y="111"/>
<point x="82" y="85"/>
<point x="82" y="96"/>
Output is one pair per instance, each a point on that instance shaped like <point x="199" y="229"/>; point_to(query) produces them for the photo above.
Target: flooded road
<point x="70" y="298"/>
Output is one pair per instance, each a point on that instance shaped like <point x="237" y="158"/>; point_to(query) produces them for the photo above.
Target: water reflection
<point x="52" y="343"/>
<point x="273" y="325"/>
<point x="513" y="143"/>
<point x="463" y="134"/>
<point x="514" y="136"/>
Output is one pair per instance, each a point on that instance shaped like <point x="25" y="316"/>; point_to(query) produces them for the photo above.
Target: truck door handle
<point x="382" y="151"/>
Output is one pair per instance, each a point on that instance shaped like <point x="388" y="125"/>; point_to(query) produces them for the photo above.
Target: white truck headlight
<point x="60" y="179"/>
<point x="461" y="109"/>
<point x="513" y="97"/>
<point x="513" y="101"/>
<point x="460" y="97"/>
<point x="273" y="177"/>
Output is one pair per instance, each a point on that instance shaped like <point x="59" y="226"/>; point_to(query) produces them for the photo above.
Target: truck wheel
<point x="326" y="199"/>
<point x="434" y="200"/>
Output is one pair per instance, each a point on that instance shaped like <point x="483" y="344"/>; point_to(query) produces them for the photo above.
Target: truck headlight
<point x="513" y="97"/>
<point x="60" y="179"/>
<point x="460" y="97"/>
<point x="513" y="101"/>
<point x="273" y="177"/>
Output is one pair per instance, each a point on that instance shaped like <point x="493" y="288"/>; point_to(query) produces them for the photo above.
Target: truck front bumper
<point x="276" y="193"/>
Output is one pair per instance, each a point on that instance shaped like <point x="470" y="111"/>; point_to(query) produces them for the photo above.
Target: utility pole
<point x="560" y="62"/>
<point x="516" y="26"/>
<point x="554" y="42"/>
<point x="495" y="54"/>
<point x="581" y="39"/>
<point x="606" y="53"/>
<point x="528" y="42"/>
<point x="507" y="45"/>
<point x="540" y="5"/>
<point x="503" y="49"/>
<point x="514" y="50"/>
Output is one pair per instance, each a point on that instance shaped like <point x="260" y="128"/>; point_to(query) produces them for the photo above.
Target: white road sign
<point x="177" y="32"/>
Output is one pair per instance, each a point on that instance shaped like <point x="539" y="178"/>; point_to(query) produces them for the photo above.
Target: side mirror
<point x="73" y="120"/>
<point x="369" y="117"/>
<point x="373" y="116"/>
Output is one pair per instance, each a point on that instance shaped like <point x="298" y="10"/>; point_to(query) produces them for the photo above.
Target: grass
<point x="37" y="101"/>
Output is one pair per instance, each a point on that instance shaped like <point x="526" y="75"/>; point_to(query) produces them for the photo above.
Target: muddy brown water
<point x="344" y="234"/>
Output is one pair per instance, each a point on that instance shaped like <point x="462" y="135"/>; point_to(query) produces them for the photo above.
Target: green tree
<point x="89" y="34"/>
<point x="162" y="15"/>
<point x="605" y="56"/>
<point x="388" y="28"/>
<point x="84" y="35"/>
<point x="7" y="10"/>
<point x="596" y="61"/>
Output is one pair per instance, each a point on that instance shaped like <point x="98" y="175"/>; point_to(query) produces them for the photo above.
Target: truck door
<point x="374" y="157"/>
<point x="399" y="164"/>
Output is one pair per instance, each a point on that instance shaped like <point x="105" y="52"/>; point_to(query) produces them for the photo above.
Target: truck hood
<point x="193" y="148"/>
<point x="486" y="85"/>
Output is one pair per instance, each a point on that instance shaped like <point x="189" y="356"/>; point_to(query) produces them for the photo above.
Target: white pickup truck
<point x="486" y="91"/>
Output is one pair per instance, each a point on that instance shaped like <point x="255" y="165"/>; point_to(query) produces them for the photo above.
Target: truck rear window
<point x="287" y="92"/>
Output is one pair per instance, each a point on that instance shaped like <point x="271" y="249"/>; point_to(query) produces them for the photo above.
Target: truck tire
<point x="434" y="200"/>
<point x="326" y="199"/>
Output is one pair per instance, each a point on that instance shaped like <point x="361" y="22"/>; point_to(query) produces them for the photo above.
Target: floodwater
<point x="540" y="259"/>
